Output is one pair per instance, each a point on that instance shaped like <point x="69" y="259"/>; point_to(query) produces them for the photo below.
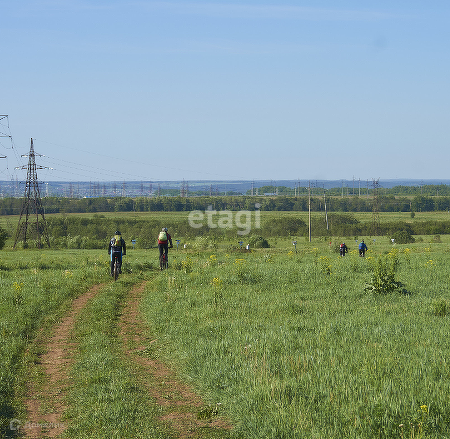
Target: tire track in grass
<point x="46" y="405"/>
<point x="182" y="405"/>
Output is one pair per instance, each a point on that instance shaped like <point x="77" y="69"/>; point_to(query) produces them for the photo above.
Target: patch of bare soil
<point x="46" y="403"/>
<point x="181" y="404"/>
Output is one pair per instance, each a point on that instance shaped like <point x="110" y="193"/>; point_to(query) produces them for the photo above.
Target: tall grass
<point x="34" y="289"/>
<point x="292" y="346"/>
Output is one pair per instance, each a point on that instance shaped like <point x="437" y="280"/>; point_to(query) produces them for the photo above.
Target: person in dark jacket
<point x="362" y="249"/>
<point x="343" y="249"/>
<point x="117" y="248"/>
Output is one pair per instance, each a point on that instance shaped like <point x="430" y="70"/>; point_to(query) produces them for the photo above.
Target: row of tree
<point x="80" y="232"/>
<point x="386" y="203"/>
<point x="358" y="189"/>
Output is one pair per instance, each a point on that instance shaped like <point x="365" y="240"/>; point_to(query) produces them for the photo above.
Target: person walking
<point x="117" y="248"/>
<point x="343" y="249"/>
<point x="362" y="248"/>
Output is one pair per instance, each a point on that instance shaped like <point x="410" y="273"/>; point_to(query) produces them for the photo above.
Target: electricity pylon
<point x="32" y="205"/>
<point x="4" y="117"/>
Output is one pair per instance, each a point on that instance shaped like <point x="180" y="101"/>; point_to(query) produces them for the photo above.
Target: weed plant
<point x="291" y="345"/>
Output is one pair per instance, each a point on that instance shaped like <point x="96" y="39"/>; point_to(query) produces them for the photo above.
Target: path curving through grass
<point x="46" y="403"/>
<point x="95" y="379"/>
<point x="184" y="412"/>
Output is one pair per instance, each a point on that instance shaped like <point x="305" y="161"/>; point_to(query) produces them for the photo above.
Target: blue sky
<point x="172" y="90"/>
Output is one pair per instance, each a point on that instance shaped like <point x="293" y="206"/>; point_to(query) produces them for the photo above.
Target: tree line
<point x="385" y="203"/>
<point x="77" y="232"/>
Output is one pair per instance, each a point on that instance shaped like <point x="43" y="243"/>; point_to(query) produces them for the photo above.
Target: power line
<point x="32" y="205"/>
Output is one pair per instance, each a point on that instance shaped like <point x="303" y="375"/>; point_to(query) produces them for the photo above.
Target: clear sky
<point x="208" y="90"/>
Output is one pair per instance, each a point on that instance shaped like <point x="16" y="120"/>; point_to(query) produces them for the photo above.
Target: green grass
<point x="290" y="351"/>
<point x="106" y="400"/>
<point x="287" y="344"/>
<point x="35" y="288"/>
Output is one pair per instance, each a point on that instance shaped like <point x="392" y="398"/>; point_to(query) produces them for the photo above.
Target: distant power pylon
<point x="184" y="191"/>
<point x="32" y="205"/>
<point x="4" y="118"/>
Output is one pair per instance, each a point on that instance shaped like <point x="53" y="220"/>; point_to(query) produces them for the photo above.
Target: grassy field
<point x="286" y="342"/>
<point x="36" y="287"/>
<point x="291" y="345"/>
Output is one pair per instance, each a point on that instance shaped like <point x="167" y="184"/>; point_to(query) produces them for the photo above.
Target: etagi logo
<point x="15" y="424"/>
<point x="225" y="219"/>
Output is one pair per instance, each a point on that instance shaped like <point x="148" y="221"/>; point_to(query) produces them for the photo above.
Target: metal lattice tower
<point x="4" y="118"/>
<point x="32" y="205"/>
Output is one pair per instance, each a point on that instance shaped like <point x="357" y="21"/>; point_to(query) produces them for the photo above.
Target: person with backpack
<point x="164" y="240"/>
<point x="343" y="249"/>
<point x="362" y="248"/>
<point x="117" y="248"/>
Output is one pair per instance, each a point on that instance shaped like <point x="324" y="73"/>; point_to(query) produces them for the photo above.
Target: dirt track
<point x="46" y="406"/>
<point x="181" y="403"/>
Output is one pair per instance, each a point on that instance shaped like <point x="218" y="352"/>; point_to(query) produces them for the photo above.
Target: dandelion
<point x="393" y="252"/>
<point x="18" y="286"/>
<point x="325" y="265"/>
<point x="212" y="260"/>
<point x="217" y="282"/>
<point x="290" y="253"/>
<point x="186" y="264"/>
<point x="18" y="298"/>
<point x="268" y="258"/>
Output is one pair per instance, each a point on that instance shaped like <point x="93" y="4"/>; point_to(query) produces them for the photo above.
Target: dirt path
<point x="46" y="402"/>
<point x="46" y="405"/>
<point x="182" y="405"/>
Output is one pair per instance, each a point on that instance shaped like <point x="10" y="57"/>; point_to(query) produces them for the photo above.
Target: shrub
<point x="384" y="275"/>
<point x="284" y="226"/>
<point x="403" y="237"/>
<point x="258" y="242"/>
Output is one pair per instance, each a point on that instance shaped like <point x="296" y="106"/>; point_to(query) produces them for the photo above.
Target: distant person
<point x="362" y="248"/>
<point x="117" y="248"/>
<point x="343" y="249"/>
<point x="164" y="240"/>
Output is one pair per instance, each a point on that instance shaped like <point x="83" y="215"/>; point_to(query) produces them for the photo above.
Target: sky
<point x="120" y="90"/>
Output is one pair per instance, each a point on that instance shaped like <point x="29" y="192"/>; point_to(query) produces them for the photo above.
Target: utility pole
<point x="376" y="208"/>
<point x="325" y="203"/>
<point x="32" y="204"/>
<point x="309" y="209"/>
